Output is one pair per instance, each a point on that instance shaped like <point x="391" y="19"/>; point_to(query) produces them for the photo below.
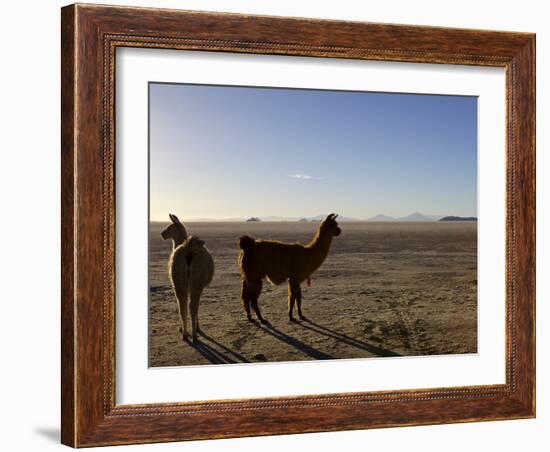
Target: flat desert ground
<point x="386" y="289"/>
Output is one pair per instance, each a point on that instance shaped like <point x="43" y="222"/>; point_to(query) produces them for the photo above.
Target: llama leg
<point x="245" y="297"/>
<point x="181" y="296"/>
<point x="256" y="308"/>
<point x="299" y="302"/>
<point x="255" y="290"/>
<point x="199" y="331"/>
<point x="291" y="300"/>
<point x="194" y="308"/>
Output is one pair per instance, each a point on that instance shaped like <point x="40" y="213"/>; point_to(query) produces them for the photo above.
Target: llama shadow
<point x="293" y="342"/>
<point x="211" y="354"/>
<point x="225" y="348"/>
<point x="341" y="337"/>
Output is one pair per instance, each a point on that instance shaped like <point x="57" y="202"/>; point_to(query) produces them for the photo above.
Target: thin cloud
<point x="300" y="175"/>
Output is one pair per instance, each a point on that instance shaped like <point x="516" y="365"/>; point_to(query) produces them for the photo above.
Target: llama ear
<point x="174" y="218"/>
<point x="335" y="216"/>
<point x="330" y="217"/>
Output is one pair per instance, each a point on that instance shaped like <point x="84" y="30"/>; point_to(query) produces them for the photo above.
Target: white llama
<point x="191" y="269"/>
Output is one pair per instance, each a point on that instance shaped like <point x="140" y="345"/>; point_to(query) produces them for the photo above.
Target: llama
<point x="191" y="269"/>
<point x="280" y="262"/>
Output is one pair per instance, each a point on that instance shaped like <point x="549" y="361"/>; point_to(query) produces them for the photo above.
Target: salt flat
<point x="386" y="289"/>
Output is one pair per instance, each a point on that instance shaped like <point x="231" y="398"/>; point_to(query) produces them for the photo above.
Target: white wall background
<point x="29" y="320"/>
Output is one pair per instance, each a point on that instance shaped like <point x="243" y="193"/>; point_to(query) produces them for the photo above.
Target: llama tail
<point x="246" y="243"/>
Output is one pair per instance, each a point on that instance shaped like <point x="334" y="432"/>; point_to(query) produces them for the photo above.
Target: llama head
<point x="175" y="231"/>
<point x="330" y="226"/>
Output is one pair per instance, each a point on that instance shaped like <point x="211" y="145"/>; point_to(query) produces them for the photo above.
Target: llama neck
<point x="178" y="240"/>
<point x="320" y="246"/>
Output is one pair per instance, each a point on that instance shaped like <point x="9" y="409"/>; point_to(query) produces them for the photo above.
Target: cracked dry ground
<point x="386" y="289"/>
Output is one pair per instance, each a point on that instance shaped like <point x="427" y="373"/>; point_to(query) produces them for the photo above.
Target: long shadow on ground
<point x="341" y="337"/>
<point x="216" y="352"/>
<point x="211" y="354"/>
<point x="293" y="342"/>
<point x="225" y="348"/>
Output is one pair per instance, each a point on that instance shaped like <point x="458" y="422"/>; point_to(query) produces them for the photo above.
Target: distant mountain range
<point x="340" y="218"/>
<point x="451" y="218"/>
<point x="320" y="217"/>
<point x="412" y="217"/>
<point x="416" y="216"/>
<point x="381" y="217"/>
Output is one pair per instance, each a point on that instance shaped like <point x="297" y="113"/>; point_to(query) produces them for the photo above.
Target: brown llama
<point x="281" y="262"/>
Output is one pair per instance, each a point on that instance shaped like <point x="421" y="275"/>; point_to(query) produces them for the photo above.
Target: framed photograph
<point x="281" y="225"/>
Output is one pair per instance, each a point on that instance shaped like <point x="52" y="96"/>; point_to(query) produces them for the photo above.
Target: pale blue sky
<point x="225" y="152"/>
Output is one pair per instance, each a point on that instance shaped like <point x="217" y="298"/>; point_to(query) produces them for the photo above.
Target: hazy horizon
<point x="274" y="218"/>
<point x="237" y="152"/>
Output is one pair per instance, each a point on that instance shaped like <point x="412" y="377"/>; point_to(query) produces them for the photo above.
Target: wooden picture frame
<point x="90" y="36"/>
